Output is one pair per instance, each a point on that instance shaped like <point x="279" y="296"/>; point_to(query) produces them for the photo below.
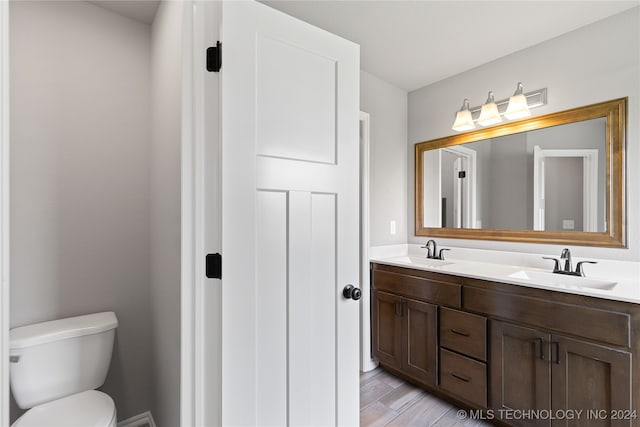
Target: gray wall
<point x="510" y="197"/>
<point x="79" y="178"/>
<point x="387" y="106"/>
<point x="166" y="110"/>
<point x="595" y="63"/>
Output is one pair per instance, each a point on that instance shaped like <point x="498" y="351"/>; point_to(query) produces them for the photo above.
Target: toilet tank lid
<point x="45" y="332"/>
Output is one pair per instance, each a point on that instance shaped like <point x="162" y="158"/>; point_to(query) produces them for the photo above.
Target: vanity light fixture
<point x="489" y="114"/>
<point x="517" y="108"/>
<point x="464" y="121"/>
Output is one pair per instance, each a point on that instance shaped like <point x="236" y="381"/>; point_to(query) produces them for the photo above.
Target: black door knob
<point x="352" y="292"/>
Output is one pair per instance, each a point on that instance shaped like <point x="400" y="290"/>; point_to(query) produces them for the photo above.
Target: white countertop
<point x="608" y="282"/>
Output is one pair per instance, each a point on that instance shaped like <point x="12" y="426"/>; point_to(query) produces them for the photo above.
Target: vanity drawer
<point x="463" y="377"/>
<point x="463" y="332"/>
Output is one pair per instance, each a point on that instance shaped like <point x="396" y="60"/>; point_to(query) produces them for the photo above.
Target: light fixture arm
<point x="519" y="89"/>
<point x="535" y="98"/>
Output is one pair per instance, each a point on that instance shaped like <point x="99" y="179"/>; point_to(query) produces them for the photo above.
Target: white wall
<point x="387" y="106"/>
<point x="592" y="64"/>
<point x="166" y="75"/>
<point x="79" y="178"/>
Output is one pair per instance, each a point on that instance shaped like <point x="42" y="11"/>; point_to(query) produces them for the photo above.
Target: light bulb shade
<point x="463" y="121"/>
<point x="517" y="107"/>
<point x="489" y="114"/>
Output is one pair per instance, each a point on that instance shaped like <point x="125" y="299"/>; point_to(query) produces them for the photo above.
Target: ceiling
<point x="141" y="10"/>
<point x="412" y="44"/>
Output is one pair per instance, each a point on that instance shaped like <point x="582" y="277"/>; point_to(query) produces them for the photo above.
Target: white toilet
<point x="55" y="367"/>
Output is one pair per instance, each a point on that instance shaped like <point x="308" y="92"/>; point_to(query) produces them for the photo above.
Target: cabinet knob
<point x="351" y="292"/>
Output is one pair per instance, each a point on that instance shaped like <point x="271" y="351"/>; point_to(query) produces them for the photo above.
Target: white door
<point x="290" y="221"/>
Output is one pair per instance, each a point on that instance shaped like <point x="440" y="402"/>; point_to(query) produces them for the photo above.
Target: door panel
<point x="520" y="370"/>
<point x="420" y="341"/>
<point x="290" y="219"/>
<point x="590" y="377"/>
<point x="311" y="306"/>
<point x="302" y="84"/>
<point x="271" y="312"/>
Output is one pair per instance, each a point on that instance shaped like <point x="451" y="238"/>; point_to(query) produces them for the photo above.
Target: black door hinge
<point x="214" y="57"/>
<point x="462" y="174"/>
<point x="213" y="266"/>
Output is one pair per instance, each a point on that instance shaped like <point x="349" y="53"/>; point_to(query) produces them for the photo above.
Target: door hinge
<point x="214" y="57"/>
<point x="213" y="266"/>
<point x="462" y="174"/>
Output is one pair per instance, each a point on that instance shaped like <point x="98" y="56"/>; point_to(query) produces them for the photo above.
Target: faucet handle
<point x="441" y="255"/>
<point x="579" y="269"/>
<point x="556" y="267"/>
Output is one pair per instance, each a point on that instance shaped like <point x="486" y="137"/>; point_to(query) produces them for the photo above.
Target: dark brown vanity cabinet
<point x="405" y="335"/>
<point x="510" y="349"/>
<point x="534" y="370"/>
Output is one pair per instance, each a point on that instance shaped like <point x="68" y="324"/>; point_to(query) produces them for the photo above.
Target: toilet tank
<point x="54" y="359"/>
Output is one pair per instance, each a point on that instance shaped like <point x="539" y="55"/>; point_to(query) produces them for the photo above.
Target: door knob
<point x="352" y="292"/>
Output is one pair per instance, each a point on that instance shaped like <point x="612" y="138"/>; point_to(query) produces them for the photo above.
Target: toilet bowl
<point x="55" y="368"/>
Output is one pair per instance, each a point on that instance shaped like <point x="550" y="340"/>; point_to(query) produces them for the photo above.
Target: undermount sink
<point x="422" y="261"/>
<point x="562" y="280"/>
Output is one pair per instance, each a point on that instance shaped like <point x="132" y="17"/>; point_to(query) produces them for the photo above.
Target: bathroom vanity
<point x="509" y="347"/>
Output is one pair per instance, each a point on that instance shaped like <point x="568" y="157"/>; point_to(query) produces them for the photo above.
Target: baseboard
<point x="144" y="419"/>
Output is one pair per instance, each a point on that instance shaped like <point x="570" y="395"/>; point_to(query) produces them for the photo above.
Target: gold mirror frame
<point x="614" y="111"/>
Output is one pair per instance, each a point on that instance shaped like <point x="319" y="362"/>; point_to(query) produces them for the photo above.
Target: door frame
<point x="200" y="352"/>
<point x="469" y="208"/>
<point x="367" y="363"/>
<point x="589" y="185"/>
<point x="4" y="213"/>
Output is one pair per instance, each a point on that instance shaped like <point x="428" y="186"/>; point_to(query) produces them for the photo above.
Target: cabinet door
<point x="419" y="341"/>
<point x="386" y="329"/>
<point x="520" y="371"/>
<point x="592" y="377"/>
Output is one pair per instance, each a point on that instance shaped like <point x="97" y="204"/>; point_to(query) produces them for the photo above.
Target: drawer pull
<point x="460" y="377"/>
<point x="464" y="334"/>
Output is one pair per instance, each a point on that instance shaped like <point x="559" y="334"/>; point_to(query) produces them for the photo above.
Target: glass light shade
<point x="489" y="114"/>
<point x="464" y="121"/>
<point x="518" y="107"/>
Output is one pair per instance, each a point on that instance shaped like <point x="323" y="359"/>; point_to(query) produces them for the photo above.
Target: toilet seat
<point x="87" y="409"/>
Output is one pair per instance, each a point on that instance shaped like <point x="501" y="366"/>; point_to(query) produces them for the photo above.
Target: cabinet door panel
<point x="420" y="341"/>
<point x="386" y="329"/>
<point x="587" y="377"/>
<point x="520" y="370"/>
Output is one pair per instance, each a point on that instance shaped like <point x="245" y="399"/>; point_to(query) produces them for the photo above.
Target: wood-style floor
<point x="389" y="401"/>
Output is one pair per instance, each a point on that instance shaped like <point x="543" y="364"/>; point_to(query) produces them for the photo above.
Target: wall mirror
<point x="557" y="178"/>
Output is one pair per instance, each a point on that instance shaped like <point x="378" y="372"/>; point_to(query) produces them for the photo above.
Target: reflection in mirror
<point x="549" y="179"/>
<point x="557" y="178"/>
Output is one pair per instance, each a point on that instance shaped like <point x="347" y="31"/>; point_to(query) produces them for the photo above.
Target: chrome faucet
<point x="431" y="248"/>
<point x="565" y="256"/>
<point x="432" y="252"/>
